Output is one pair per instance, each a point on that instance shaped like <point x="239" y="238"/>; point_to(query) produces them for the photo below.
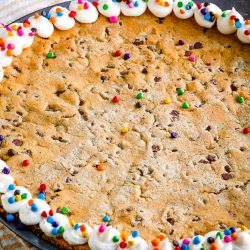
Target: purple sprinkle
<point x="204" y="11"/>
<point x="6" y="170"/>
<point x="181" y="42"/>
<point x="55" y="224"/>
<point x="42" y="192"/>
<point x="1" y="138"/>
<point x="173" y="135"/>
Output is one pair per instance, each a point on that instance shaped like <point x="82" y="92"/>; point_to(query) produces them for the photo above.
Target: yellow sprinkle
<point x="167" y="100"/>
<point x="232" y="22"/>
<point x="85" y="235"/>
<point x="124" y="236"/>
<point x="131" y="242"/>
<point x="80" y="7"/>
<point x="124" y="129"/>
<point x="72" y="222"/>
<point x="243" y="229"/>
<point x="18" y="197"/>
<point x="10" y="33"/>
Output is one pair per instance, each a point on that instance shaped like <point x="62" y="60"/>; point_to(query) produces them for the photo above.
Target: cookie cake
<point x="126" y="127"/>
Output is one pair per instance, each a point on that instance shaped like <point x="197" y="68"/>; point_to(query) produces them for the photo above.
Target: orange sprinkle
<point x="52" y="19"/>
<point x="155" y="242"/>
<point x="247" y="22"/>
<point x="182" y="11"/>
<point x="156" y="248"/>
<point x="124" y="236"/>
<point x="83" y="228"/>
<point x="213" y="246"/>
<point x="58" y="10"/>
<point x="166" y="4"/>
<point x="100" y="167"/>
<point x="234" y="236"/>
<point x="14" y="27"/>
<point x="162" y="237"/>
<point x="17" y="183"/>
<point x="30" y="202"/>
<point x="36" y="15"/>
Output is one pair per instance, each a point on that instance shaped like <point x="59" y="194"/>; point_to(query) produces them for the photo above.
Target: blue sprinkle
<point x="188" y="7"/>
<point x="184" y="247"/>
<point x="34" y="207"/>
<point x="76" y="226"/>
<point x="126" y="56"/>
<point x="135" y="234"/>
<point x="238" y="25"/>
<point x="59" y="13"/>
<point x="106" y="218"/>
<point x="232" y="229"/>
<point x="227" y="232"/>
<point x="196" y="240"/>
<point x="41" y="196"/>
<point x="55" y="224"/>
<point x="207" y="17"/>
<point x="10" y="217"/>
<point x="54" y="231"/>
<point x="11" y="187"/>
<point x="50" y="220"/>
<point x="136" y="4"/>
<point x="11" y="200"/>
<point x="114" y="1"/>
<point x="48" y="16"/>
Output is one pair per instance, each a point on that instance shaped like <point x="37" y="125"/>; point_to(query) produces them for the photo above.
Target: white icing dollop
<point x="86" y="12"/>
<point x="202" y="14"/>
<point x="5" y="180"/>
<point x="48" y="228"/>
<point x="243" y="33"/>
<point x="226" y="25"/>
<point x="133" y="7"/>
<point x="101" y="241"/>
<point x="61" y="19"/>
<point x="160" y="8"/>
<point x="31" y="214"/>
<point x="242" y="242"/>
<point x="163" y="245"/>
<point x="135" y="243"/>
<point x="109" y="8"/>
<point x="5" y="60"/>
<point x="1" y="73"/>
<point x="17" y="205"/>
<point x="184" y="9"/>
<point x="75" y="236"/>
<point x="44" y="28"/>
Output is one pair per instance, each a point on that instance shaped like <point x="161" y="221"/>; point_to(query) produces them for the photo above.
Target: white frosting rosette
<point x="161" y="244"/>
<point x="55" y="225"/>
<point x="15" y="198"/>
<point x="184" y="9"/>
<point x="133" y="7"/>
<point x="229" y="21"/>
<point x="133" y="243"/>
<point x="78" y="234"/>
<point x="30" y="213"/>
<point x="244" y="32"/>
<point x="59" y="16"/>
<point x="86" y="12"/>
<point x="109" y="8"/>
<point x="206" y="14"/>
<point x="196" y="242"/>
<point x="1" y="73"/>
<point x="44" y="28"/>
<point x="218" y="240"/>
<point x="242" y="241"/>
<point x="160" y="8"/>
<point x="104" y="238"/>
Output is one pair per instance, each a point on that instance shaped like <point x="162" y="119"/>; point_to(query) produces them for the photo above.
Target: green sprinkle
<point x="180" y="91"/>
<point x="139" y="95"/>
<point x="61" y="230"/>
<point x="24" y="196"/>
<point x="105" y="6"/>
<point x="203" y="248"/>
<point x="180" y="4"/>
<point x="224" y="14"/>
<point x="115" y="238"/>
<point x="185" y="105"/>
<point x="145" y="1"/>
<point x="65" y="210"/>
<point x="220" y="235"/>
<point x="191" y="4"/>
<point x="240" y="99"/>
<point x="51" y="55"/>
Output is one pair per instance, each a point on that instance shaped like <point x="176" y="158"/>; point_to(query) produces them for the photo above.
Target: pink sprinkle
<point x="186" y="241"/>
<point x="113" y="19"/>
<point x="8" y="28"/>
<point x="20" y="32"/>
<point x="227" y="239"/>
<point x="10" y="46"/>
<point x="86" y="5"/>
<point x="80" y="1"/>
<point x="102" y="228"/>
<point x="192" y="58"/>
<point x="31" y="34"/>
<point x="131" y="5"/>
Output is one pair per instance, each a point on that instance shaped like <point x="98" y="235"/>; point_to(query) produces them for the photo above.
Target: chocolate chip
<point x="17" y="142"/>
<point x="203" y="161"/>
<point x="175" y="243"/>
<point x="43" y="13"/>
<point x="171" y="221"/>
<point x="157" y="79"/>
<point x="34" y="30"/>
<point x="233" y="87"/>
<point x="211" y="158"/>
<point x="228" y="169"/>
<point x="17" y="192"/>
<point x="138" y="105"/>
<point x="11" y="152"/>
<point x="208" y="128"/>
<point x="226" y="176"/>
<point x="104" y="78"/>
<point x="210" y="240"/>
<point x="175" y="115"/>
<point x="144" y="71"/>
<point x="107" y="31"/>
<point x="198" y="45"/>
<point x="187" y="53"/>
<point x="138" y="42"/>
<point x="83" y="114"/>
<point x="155" y="148"/>
<point x="160" y="20"/>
